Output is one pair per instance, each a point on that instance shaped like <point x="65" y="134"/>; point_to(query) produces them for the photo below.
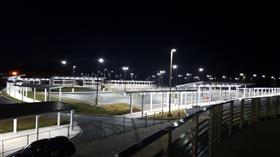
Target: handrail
<point x="245" y="112"/>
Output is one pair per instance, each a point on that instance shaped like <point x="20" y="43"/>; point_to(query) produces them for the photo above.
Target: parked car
<point x="59" y="146"/>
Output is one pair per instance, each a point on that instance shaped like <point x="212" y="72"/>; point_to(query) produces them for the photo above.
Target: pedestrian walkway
<point x="261" y="140"/>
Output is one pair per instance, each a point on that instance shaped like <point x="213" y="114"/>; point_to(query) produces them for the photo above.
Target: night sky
<point x="33" y="39"/>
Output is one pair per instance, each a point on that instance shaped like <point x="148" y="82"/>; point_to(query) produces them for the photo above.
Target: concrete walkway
<point x="262" y="140"/>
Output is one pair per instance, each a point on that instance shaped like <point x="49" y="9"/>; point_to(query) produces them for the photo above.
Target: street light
<point x="200" y="70"/>
<point x="175" y="67"/>
<point x="274" y="80"/>
<point x="125" y="68"/>
<point x="170" y="79"/>
<point x="74" y="67"/>
<point x="63" y="62"/>
<point x="263" y="76"/>
<point x="101" y="61"/>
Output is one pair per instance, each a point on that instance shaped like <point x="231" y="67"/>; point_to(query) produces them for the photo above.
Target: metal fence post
<point x="241" y="114"/>
<point x="3" y="148"/>
<point x="219" y="124"/>
<point x="123" y="123"/>
<point x="68" y="131"/>
<point x="230" y="118"/>
<point x="253" y="111"/>
<point x="211" y="132"/>
<point x="27" y="139"/>
<point x="194" y="132"/>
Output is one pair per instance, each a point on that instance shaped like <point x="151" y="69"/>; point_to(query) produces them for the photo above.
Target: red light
<point x="14" y="73"/>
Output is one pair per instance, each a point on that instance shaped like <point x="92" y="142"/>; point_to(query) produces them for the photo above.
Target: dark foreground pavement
<point x="262" y="140"/>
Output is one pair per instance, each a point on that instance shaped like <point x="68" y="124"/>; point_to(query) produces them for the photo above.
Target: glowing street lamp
<point x="101" y="60"/>
<point x="200" y="69"/>
<point x="63" y="62"/>
<point x="74" y="67"/>
<point x="254" y="75"/>
<point x="263" y="76"/>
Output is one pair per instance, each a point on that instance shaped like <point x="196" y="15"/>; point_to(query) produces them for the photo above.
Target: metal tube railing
<point x="200" y="134"/>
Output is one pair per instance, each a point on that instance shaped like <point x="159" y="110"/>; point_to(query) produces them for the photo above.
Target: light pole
<point x="274" y="80"/>
<point x="200" y="70"/>
<point x="263" y="76"/>
<point x="170" y="80"/>
<point x="73" y="72"/>
<point x="175" y="67"/>
<point x="125" y="68"/>
<point x="64" y="63"/>
<point x="101" y="61"/>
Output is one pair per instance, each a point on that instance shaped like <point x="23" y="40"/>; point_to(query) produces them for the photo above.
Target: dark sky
<point x="34" y="38"/>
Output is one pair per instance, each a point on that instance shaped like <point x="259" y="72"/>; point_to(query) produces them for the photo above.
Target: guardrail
<point x="10" y="145"/>
<point x="200" y="134"/>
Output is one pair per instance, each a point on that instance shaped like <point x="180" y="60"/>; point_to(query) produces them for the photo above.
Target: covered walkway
<point x="261" y="140"/>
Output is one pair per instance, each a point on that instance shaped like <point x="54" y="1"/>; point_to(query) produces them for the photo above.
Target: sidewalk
<point x="11" y="142"/>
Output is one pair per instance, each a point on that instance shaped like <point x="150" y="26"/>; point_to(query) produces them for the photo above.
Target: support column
<point x="237" y="92"/>
<point x="167" y="98"/>
<point x="210" y="94"/>
<point x="37" y="126"/>
<point x="45" y="94"/>
<point x="58" y="118"/>
<point x="151" y="101"/>
<point x="220" y="93"/>
<point x="185" y="102"/>
<point x="229" y="91"/>
<point x="161" y="102"/>
<point x="142" y="104"/>
<point x="15" y="125"/>
<point x="131" y="103"/>
<point x="26" y="91"/>
<point x="71" y="119"/>
<point x="198" y="95"/>
<point x="22" y="93"/>
<point x="34" y="95"/>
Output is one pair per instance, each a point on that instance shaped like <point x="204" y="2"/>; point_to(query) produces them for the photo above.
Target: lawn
<point x="177" y="114"/>
<point x="29" y="123"/>
<point x="86" y="108"/>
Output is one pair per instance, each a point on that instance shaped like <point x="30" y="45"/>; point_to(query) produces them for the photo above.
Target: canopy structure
<point x="8" y="111"/>
<point x="39" y="86"/>
<point x="212" y="84"/>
